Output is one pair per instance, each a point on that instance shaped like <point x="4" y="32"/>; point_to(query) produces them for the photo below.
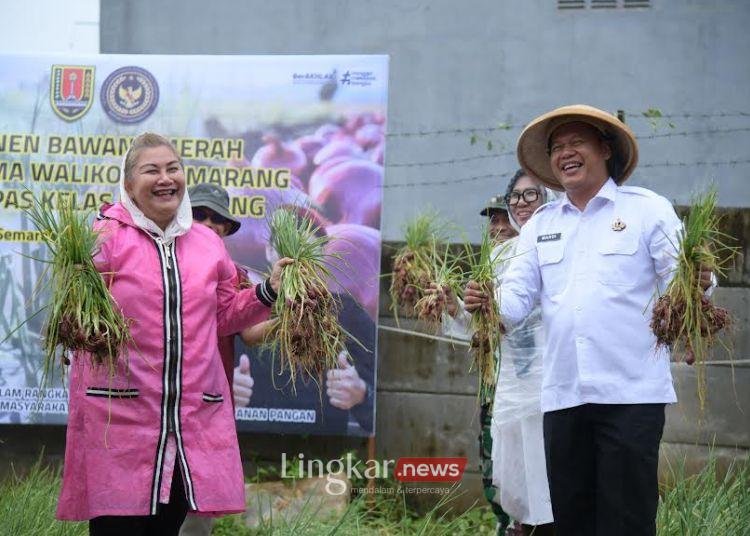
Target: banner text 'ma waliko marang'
<point x="109" y="175"/>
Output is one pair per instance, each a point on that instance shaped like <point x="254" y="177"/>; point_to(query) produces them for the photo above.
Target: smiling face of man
<point x="578" y="157"/>
<point x="500" y="228"/>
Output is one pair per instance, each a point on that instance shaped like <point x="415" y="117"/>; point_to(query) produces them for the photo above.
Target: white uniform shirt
<point x="597" y="286"/>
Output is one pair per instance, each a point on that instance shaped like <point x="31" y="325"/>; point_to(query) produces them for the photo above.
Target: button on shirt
<point x="597" y="273"/>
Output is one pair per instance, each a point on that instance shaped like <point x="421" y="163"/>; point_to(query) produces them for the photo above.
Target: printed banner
<point x="303" y="132"/>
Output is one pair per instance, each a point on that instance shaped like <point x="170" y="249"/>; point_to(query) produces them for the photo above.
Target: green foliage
<point x="656" y="118"/>
<point x="485" y="324"/>
<point x="306" y="326"/>
<point x="446" y="271"/>
<point x="652" y="113"/>
<point x="425" y="229"/>
<point x="684" y="317"/>
<point x="696" y="505"/>
<point x="28" y="503"/>
<point x="703" y="504"/>
<point x="386" y="515"/>
<point x="412" y="264"/>
<point x="489" y="143"/>
<point x="81" y="314"/>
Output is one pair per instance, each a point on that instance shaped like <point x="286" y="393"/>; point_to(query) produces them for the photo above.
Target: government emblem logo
<point x="129" y="95"/>
<point x="71" y="90"/>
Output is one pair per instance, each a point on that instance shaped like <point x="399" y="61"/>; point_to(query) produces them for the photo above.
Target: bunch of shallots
<point x="445" y="268"/>
<point x="485" y="322"/>
<point x="82" y="316"/>
<point x="683" y="317"/>
<point x="306" y="326"/>
<point x="413" y="263"/>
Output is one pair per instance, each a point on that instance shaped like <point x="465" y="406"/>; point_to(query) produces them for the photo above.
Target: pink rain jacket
<point x="178" y="297"/>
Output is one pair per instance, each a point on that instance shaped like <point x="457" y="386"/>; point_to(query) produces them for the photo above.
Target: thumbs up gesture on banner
<point x="242" y="388"/>
<point x="344" y="387"/>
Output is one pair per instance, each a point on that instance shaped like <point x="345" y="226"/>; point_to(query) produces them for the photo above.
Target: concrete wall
<point x="427" y="402"/>
<point x="462" y="65"/>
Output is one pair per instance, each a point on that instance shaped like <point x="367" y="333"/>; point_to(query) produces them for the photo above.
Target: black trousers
<point x="166" y="522"/>
<point x="602" y="468"/>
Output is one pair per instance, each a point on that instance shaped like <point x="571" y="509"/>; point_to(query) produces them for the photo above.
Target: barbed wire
<point x="459" y="130"/>
<point x="693" y="133"/>
<point x="450" y="161"/>
<point x="464" y="159"/>
<point x="510" y="126"/>
<point x="447" y="181"/>
<point x="477" y="178"/>
<point x="686" y="115"/>
<point x="700" y="163"/>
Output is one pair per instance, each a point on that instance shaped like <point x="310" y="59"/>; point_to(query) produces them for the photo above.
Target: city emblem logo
<point x="129" y="95"/>
<point x="71" y="90"/>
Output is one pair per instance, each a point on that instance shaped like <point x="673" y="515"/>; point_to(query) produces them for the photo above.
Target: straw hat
<point x="534" y="140"/>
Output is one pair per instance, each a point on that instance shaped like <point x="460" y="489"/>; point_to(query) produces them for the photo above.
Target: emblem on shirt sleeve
<point x="618" y="225"/>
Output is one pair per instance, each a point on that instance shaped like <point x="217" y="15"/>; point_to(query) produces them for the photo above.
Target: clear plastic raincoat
<point x="519" y="467"/>
<point x="518" y="462"/>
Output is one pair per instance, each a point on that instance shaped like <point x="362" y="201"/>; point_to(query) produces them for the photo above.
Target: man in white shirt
<point x="595" y="257"/>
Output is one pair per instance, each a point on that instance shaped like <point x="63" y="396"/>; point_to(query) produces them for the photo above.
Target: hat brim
<point x="532" y="144"/>
<point x="221" y="211"/>
<point x="488" y="210"/>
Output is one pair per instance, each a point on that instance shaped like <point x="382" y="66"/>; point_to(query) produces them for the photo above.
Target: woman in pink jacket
<point x="158" y="438"/>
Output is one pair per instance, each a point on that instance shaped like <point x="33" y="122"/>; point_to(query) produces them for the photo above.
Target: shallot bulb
<point x="276" y="154"/>
<point x="327" y="131"/>
<point x="348" y="191"/>
<point x="369" y="136"/>
<point x="354" y="123"/>
<point x="310" y="145"/>
<point x="337" y="149"/>
<point x="248" y="245"/>
<point x="358" y="270"/>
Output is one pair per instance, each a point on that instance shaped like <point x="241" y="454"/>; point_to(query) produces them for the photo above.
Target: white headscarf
<point x="547" y="196"/>
<point x="178" y="226"/>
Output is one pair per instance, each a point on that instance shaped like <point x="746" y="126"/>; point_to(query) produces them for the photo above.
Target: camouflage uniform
<point x="485" y="467"/>
<point x="487" y="396"/>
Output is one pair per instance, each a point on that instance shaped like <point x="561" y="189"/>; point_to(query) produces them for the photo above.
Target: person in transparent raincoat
<point x="516" y="469"/>
<point x="518" y="461"/>
<point x="455" y="323"/>
<point x="519" y="469"/>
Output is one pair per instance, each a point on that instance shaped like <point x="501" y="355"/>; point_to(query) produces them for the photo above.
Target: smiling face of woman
<point x="523" y="209"/>
<point x="157" y="184"/>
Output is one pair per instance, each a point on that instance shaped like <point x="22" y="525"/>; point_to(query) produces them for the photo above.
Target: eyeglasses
<point x="202" y="214"/>
<point x="529" y="196"/>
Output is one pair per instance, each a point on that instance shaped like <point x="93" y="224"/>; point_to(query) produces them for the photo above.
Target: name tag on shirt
<point x="551" y="237"/>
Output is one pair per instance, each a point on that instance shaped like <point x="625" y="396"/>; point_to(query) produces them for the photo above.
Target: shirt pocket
<point x="550" y="256"/>
<point x="618" y="262"/>
<point x="213" y="398"/>
<point x="109" y="392"/>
